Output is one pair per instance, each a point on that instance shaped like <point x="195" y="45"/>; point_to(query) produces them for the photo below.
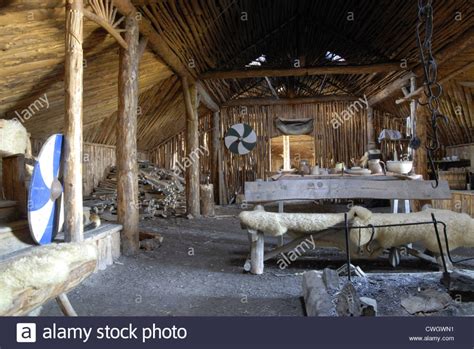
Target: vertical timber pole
<point x="73" y="75"/>
<point x="413" y="104"/>
<point x="371" y="144"/>
<point x="216" y="144"/>
<point x="192" y="148"/>
<point x="127" y="183"/>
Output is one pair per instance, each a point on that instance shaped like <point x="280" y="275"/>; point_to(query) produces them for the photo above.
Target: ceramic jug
<point x="375" y="166"/>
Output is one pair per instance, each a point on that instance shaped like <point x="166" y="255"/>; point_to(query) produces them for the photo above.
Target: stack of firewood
<point x="161" y="193"/>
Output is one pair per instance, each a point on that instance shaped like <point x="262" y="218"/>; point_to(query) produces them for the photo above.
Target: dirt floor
<point x="198" y="271"/>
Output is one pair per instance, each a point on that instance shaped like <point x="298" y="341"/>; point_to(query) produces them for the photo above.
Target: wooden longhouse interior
<point x="167" y="151"/>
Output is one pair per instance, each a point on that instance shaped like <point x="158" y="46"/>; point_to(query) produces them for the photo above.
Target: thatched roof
<point x="211" y="35"/>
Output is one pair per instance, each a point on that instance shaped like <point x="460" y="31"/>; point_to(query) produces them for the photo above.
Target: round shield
<point x="240" y="139"/>
<point x="45" y="204"/>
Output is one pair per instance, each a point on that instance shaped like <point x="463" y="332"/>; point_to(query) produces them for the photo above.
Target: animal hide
<point x="294" y="126"/>
<point x="276" y="224"/>
<point x="44" y="266"/>
<point x="460" y="229"/>
<point x="299" y="224"/>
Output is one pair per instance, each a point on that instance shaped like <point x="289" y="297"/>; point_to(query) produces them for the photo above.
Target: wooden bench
<point x="23" y="292"/>
<point x="342" y="187"/>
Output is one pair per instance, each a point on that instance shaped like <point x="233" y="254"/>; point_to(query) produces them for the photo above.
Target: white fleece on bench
<point x="276" y="224"/>
<point x="44" y="266"/>
<point x="460" y="229"/>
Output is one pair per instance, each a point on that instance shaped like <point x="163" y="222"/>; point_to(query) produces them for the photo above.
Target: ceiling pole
<point x="304" y="71"/>
<point x="126" y="150"/>
<point x="454" y="48"/>
<point x="287" y="101"/>
<point x="158" y="44"/>
<point x="73" y="86"/>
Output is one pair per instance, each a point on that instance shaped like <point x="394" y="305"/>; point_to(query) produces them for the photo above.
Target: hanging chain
<point x="433" y="89"/>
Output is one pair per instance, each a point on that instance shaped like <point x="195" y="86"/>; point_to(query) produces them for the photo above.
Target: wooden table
<point x="390" y="187"/>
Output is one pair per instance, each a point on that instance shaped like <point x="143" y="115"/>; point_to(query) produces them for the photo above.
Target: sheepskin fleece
<point x="460" y="228"/>
<point x="276" y="224"/>
<point x="44" y="266"/>
<point x="13" y="138"/>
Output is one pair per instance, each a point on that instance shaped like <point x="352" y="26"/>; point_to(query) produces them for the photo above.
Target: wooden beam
<point x="142" y="46"/>
<point x="413" y="104"/>
<point x="192" y="145"/>
<point x="469" y="84"/>
<point x="106" y="25"/>
<point x="205" y="98"/>
<point x="156" y="41"/>
<point x="418" y="92"/>
<point x="391" y="88"/>
<point x="287" y="101"/>
<point x="73" y="86"/>
<point x="158" y="44"/>
<point x="127" y="166"/>
<point x="454" y="48"/>
<point x="304" y="71"/>
<point x="270" y="86"/>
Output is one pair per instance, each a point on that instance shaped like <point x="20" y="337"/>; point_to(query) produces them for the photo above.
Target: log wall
<point x="173" y="151"/>
<point x="97" y="158"/>
<point x="331" y="145"/>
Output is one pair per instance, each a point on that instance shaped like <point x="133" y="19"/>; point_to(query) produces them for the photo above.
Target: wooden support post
<point x="413" y="104"/>
<point x="73" y="75"/>
<point x="127" y="167"/>
<point x="370" y="129"/>
<point x="256" y="252"/>
<point x="281" y="209"/>
<point x="286" y="154"/>
<point x="192" y="145"/>
<point x="222" y="188"/>
<point x="216" y="144"/>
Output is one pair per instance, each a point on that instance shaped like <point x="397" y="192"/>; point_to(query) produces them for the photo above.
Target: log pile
<point x="161" y="193"/>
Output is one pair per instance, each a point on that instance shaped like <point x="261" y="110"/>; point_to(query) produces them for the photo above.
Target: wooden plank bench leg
<point x="281" y="209"/>
<point x="256" y="252"/>
<point x="65" y="305"/>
